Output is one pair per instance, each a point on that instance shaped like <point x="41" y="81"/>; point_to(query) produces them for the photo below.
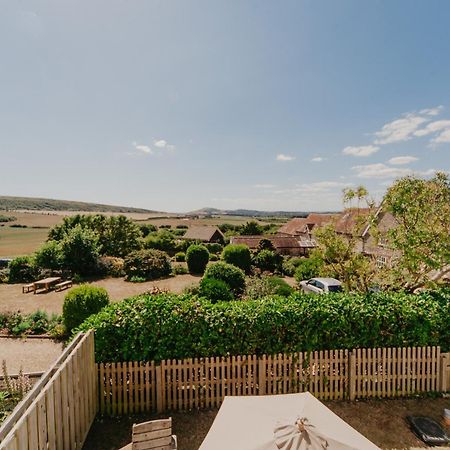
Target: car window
<point x="335" y="288"/>
<point x="320" y="285"/>
<point x="312" y="282"/>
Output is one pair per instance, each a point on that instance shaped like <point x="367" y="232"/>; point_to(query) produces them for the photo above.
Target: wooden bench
<point x="27" y="288"/>
<point x="63" y="285"/>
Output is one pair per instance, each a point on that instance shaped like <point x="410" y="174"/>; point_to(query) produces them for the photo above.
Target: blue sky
<point x="176" y="105"/>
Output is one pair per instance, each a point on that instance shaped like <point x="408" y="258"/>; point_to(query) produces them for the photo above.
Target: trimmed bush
<point x="308" y="268"/>
<point x="111" y="266"/>
<point x="167" y="326"/>
<point x="50" y="256"/>
<point x="214" y="247"/>
<point x="22" y="270"/>
<point x="213" y="257"/>
<point x="180" y="257"/>
<point x="264" y="286"/>
<point x="267" y="260"/>
<point x="238" y="255"/>
<point x="147" y="265"/>
<point x="231" y="275"/>
<point x="197" y="257"/>
<point x="81" y="302"/>
<point x="215" y="290"/>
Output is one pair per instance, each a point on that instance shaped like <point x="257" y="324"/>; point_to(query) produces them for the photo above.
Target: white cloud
<point x="282" y="157"/>
<point x="442" y="138"/>
<point x="380" y="170"/>
<point x="399" y="130"/>
<point x="364" y="150"/>
<point x="163" y="144"/>
<point x="398" y="160"/>
<point x="317" y="159"/>
<point x="432" y="111"/>
<point x="143" y="148"/>
<point x="433" y="127"/>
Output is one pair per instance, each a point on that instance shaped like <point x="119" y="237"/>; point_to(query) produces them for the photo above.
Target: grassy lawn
<point x="20" y="241"/>
<point x="381" y="421"/>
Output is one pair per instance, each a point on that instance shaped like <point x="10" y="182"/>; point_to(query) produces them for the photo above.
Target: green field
<point x="20" y="241"/>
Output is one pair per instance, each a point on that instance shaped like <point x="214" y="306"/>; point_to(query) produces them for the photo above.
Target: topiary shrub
<point x="215" y="290"/>
<point x="232" y="275"/>
<point x="180" y="257"/>
<point x="267" y="260"/>
<point x="147" y="264"/>
<point x="238" y="255"/>
<point x="197" y="257"/>
<point x="22" y="270"/>
<point x="81" y="302"/>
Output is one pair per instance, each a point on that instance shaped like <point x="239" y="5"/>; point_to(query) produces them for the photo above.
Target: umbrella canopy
<point x="281" y="422"/>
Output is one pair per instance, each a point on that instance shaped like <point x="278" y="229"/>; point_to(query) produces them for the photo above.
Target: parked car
<point x="321" y="285"/>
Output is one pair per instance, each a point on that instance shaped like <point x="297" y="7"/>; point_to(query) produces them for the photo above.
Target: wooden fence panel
<point x="57" y="414"/>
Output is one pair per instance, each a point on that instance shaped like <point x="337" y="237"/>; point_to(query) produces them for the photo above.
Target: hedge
<point x="169" y="326"/>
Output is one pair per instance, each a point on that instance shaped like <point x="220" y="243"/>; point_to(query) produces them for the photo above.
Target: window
<point x="381" y="261"/>
<point x="320" y="285"/>
<point x="383" y="241"/>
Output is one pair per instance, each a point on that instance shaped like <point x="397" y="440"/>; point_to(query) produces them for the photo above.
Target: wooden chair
<point x="154" y="435"/>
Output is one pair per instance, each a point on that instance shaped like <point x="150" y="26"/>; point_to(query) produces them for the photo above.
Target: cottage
<point x="204" y="234"/>
<point x="284" y="245"/>
<point x="303" y="226"/>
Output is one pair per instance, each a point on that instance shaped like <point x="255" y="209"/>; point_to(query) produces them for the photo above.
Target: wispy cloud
<point x="264" y="186"/>
<point x="399" y="130"/>
<point x="283" y="157"/>
<point x="432" y="111"/>
<point x="163" y="144"/>
<point x="399" y="160"/>
<point x="317" y="159"/>
<point x="381" y="170"/>
<point x="143" y="148"/>
<point x="364" y="150"/>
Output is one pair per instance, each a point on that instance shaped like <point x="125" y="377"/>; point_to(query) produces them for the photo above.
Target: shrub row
<point x="169" y="326"/>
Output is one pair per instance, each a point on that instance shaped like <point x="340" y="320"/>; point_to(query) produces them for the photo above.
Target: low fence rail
<point x="133" y="387"/>
<point x="58" y="412"/>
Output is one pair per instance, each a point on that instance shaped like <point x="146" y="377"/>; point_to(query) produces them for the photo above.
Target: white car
<point x="321" y="285"/>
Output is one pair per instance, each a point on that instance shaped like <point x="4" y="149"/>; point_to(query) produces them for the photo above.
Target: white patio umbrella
<point x="281" y="422"/>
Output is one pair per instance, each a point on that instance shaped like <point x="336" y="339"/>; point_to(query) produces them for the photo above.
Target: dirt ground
<point x="12" y="298"/>
<point x="32" y="355"/>
<point x="381" y="421"/>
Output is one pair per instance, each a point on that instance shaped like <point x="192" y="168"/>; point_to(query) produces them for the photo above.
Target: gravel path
<point x="32" y="355"/>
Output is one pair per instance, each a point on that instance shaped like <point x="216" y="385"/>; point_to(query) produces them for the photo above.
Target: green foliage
<point x="180" y="257"/>
<point x="421" y="237"/>
<point x="164" y="240"/>
<point x="289" y="265"/>
<point x="215" y="290"/>
<point x="239" y="255"/>
<point x="251" y="228"/>
<point x="80" y="252"/>
<point x="213" y="257"/>
<point x="50" y="256"/>
<point x="197" y="257"/>
<point x="168" y="326"/>
<point x="179" y="269"/>
<point x="147" y="228"/>
<point x="81" y="302"/>
<point x="22" y="269"/>
<point x="267" y="260"/>
<point x="147" y="264"/>
<point x="117" y="235"/>
<point x="308" y="268"/>
<point x="228" y="273"/>
<point x="4" y="219"/>
<point x="265" y="244"/>
<point x="259" y="287"/>
<point x="36" y="323"/>
<point x="214" y="247"/>
<point x="111" y="266"/>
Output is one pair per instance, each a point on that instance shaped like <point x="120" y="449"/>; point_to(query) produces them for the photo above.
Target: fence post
<point x="443" y="372"/>
<point x="351" y="379"/>
<point x="262" y="375"/>
<point x="159" y="389"/>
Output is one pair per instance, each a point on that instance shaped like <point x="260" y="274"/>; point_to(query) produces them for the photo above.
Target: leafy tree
<point x="147" y="264"/>
<point x="309" y="268"/>
<point x="265" y="244"/>
<point x="121" y="236"/>
<point x="267" y="260"/>
<point x="163" y="240"/>
<point x="421" y="238"/>
<point x="251" y="228"/>
<point x="80" y="250"/>
<point x="50" y="256"/>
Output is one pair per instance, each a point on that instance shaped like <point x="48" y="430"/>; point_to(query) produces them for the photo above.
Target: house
<point x="284" y="245"/>
<point x="303" y="226"/>
<point x="204" y="234"/>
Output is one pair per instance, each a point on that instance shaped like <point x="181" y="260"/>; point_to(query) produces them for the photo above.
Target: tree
<point x="121" y="237"/>
<point x="239" y="255"/>
<point x="421" y="209"/>
<point x="49" y="256"/>
<point x="251" y="229"/>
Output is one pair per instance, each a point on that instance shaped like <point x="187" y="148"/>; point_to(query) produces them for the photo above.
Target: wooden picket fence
<point x="58" y="412"/>
<point x="132" y="387"/>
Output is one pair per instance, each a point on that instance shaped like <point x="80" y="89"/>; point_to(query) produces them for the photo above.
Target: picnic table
<point x="46" y="283"/>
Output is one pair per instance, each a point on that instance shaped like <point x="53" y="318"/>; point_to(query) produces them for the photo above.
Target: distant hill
<point x="247" y="213"/>
<point x="45" y="204"/>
